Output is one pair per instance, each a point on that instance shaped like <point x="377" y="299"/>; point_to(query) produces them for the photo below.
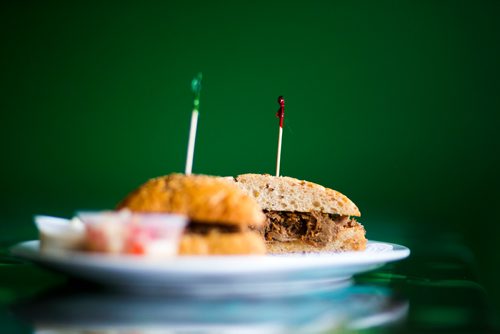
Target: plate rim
<point x="29" y="250"/>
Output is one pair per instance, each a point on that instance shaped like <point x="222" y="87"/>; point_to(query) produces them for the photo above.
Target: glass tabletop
<point x="434" y="290"/>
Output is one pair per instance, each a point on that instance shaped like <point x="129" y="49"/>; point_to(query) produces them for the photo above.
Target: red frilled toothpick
<point x="281" y="115"/>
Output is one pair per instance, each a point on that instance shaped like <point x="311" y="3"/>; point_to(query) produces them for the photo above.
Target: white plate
<point x="217" y="275"/>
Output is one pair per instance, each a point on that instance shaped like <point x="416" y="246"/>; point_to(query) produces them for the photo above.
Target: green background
<point x="394" y="103"/>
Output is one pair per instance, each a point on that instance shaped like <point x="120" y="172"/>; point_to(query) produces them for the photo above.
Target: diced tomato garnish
<point x="136" y="248"/>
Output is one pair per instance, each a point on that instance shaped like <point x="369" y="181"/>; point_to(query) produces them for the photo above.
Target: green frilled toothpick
<point x="196" y="88"/>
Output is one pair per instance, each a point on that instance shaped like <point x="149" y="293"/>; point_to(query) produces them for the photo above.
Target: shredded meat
<point x="314" y="227"/>
<point x="204" y="228"/>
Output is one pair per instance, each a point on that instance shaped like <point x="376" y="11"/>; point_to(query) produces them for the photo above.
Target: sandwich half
<point x="219" y="212"/>
<point x="303" y="216"/>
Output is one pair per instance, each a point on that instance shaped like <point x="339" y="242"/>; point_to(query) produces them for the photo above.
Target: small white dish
<point x="58" y="234"/>
<point x="155" y="235"/>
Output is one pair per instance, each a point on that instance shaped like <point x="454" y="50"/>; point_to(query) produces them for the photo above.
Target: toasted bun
<point x="216" y="243"/>
<point x="204" y="199"/>
<point x="289" y="194"/>
<point x="347" y="239"/>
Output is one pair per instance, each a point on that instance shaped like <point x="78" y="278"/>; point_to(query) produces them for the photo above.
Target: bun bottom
<point x="347" y="239"/>
<point x="217" y="243"/>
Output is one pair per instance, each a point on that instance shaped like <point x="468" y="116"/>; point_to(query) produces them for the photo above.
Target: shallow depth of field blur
<point x="395" y="104"/>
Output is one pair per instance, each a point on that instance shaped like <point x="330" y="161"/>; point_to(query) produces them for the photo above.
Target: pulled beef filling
<point x="314" y="227"/>
<point x="204" y="228"/>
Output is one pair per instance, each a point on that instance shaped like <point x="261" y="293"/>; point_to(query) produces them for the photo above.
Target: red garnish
<point x="281" y="111"/>
<point x="136" y="248"/>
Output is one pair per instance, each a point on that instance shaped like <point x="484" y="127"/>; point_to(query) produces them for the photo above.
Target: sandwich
<point x="219" y="212"/>
<point x="302" y="216"/>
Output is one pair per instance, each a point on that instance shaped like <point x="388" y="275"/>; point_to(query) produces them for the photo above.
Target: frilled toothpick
<point x="281" y="115"/>
<point x="196" y="88"/>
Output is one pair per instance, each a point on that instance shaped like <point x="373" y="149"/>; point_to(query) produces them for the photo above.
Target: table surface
<point x="434" y="290"/>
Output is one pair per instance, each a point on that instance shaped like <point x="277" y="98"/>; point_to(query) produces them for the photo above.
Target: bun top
<point x="289" y="194"/>
<point x="204" y="199"/>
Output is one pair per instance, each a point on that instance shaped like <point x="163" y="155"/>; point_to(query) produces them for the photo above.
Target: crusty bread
<point x="286" y="194"/>
<point x="289" y="194"/>
<point x="217" y="243"/>
<point x="347" y="239"/>
<point x="204" y="199"/>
